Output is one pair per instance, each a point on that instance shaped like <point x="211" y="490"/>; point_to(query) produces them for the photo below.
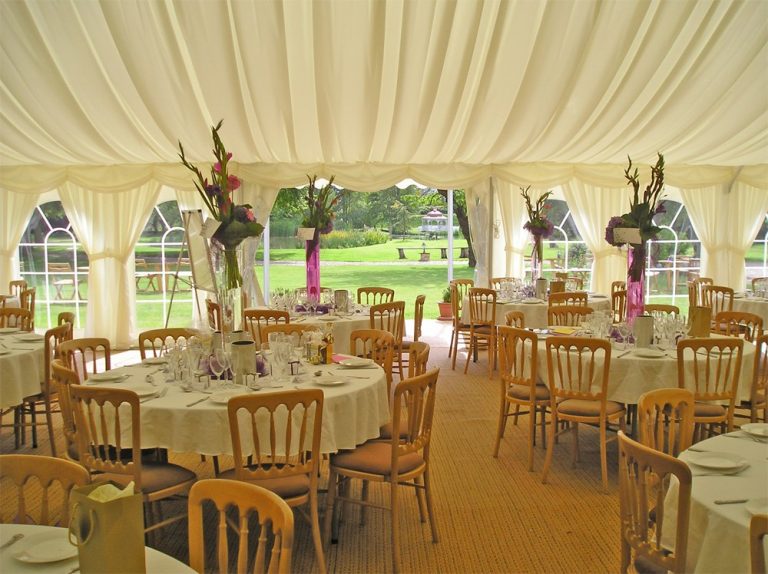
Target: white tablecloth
<point x="718" y="534"/>
<point x="12" y="301"/>
<point x="535" y="313"/>
<point x="156" y="561"/>
<point x="352" y="412"/>
<point x="22" y="367"/>
<point x="632" y="375"/>
<point x="753" y="305"/>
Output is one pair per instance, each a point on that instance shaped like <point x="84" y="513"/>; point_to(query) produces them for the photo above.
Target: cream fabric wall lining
<point x="16" y="211"/>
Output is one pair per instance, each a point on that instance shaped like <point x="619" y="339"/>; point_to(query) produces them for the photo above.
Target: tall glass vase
<point x="229" y="283"/>
<point x="537" y="256"/>
<point x="312" y="252"/>
<point x="635" y="281"/>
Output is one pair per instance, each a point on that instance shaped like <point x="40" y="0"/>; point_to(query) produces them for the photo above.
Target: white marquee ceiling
<point x="383" y="83"/>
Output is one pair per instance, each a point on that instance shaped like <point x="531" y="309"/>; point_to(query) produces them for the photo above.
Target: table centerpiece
<point x="539" y="227"/>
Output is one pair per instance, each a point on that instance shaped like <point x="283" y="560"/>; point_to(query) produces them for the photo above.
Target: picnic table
<point x="401" y="252"/>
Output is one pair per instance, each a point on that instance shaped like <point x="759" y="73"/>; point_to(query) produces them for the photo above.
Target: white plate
<point x="757" y="506"/>
<point x="46" y="547"/>
<point x="328" y="382"/>
<point x="222" y="397"/>
<point x="328" y="318"/>
<point x="756" y="429"/>
<point x="155" y="361"/>
<point x="531" y="301"/>
<point x="649" y="353"/>
<point x="722" y="461"/>
<point x="598" y="296"/>
<point x="4" y="330"/>
<point x="30" y="337"/>
<point x="356" y="362"/>
<point x="104" y="377"/>
<point x="142" y="389"/>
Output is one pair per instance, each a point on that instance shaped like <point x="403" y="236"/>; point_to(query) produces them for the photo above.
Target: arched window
<point x="674" y="257"/>
<point x="756" y="260"/>
<point x="53" y="261"/>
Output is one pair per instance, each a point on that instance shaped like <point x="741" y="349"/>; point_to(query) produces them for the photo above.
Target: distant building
<point x="434" y="223"/>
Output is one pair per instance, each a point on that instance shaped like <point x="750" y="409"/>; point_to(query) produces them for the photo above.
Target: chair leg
<point x="576" y="453"/>
<point x="550" y="449"/>
<point x="531" y="434"/>
<point x="419" y="488"/>
<point x="603" y="455"/>
<point x="318" y="541"/>
<point x="503" y="414"/>
<point x="329" y="506"/>
<point x="33" y="420"/>
<point x="49" y="422"/>
<point x="395" y="525"/>
<point x="364" y="498"/>
<point x="430" y="508"/>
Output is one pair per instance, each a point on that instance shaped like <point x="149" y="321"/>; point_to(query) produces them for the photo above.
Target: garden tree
<point x="400" y="218"/>
<point x="460" y="210"/>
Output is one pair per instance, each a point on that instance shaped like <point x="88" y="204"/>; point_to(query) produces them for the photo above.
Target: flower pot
<point x="446" y="313"/>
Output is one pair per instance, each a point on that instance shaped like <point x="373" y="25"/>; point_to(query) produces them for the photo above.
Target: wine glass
<point x="219" y="362"/>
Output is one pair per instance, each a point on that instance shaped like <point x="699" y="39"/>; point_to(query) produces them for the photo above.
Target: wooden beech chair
<point x="520" y="385"/>
<point x="568" y="315"/>
<point x="618" y="286"/>
<point x="390" y="317"/>
<point x="375" y="295"/>
<point x="662" y="308"/>
<point x="758" y="529"/>
<point x="711" y="368"/>
<point x="572" y="367"/>
<point x="15" y="317"/>
<point x="283" y="448"/>
<point x="665" y="420"/>
<point x="63" y="378"/>
<point x="25" y="473"/>
<point x="294" y="330"/>
<point x="619" y="306"/>
<point x="497" y="282"/>
<point x="274" y="516"/>
<point x="459" y="289"/>
<point x="418" y="320"/>
<point x="758" y="390"/>
<point x="155" y="341"/>
<point x="213" y="312"/>
<point x="742" y="324"/>
<point x="27" y="300"/>
<point x="757" y="283"/>
<point x="556" y="287"/>
<point x="84" y="355"/>
<point x="100" y="436"/>
<point x="573" y="283"/>
<point x="376" y="344"/>
<point x="641" y="471"/>
<point x="515" y="319"/>
<point x="17" y="286"/>
<point x="417" y="365"/>
<point x="400" y="461"/>
<point x="256" y="319"/>
<point x="716" y="297"/>
<point x="572" y="298"/>
<point x="482" y="325"/>
<point x="66" y="317"/>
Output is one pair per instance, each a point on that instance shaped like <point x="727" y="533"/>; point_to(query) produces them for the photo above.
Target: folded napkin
<point x="109" y="492"/>
<point x="320" y="309"/>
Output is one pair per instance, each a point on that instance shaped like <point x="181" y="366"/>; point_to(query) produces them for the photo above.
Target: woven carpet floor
<point x="492" y="514"/>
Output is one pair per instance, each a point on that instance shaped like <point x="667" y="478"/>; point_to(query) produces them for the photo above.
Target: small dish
<point x="104" y="377"/>
<point x="328" y="382"/>
<point x="30" y="337"/>
<point x="45" y="547"/>
<point x="598" y="296"/>
<point x="563" y="330"/>
<point x="4" y="330"/>
<point x="649" y="353"/>
<point x="724" y="462"/>
<point x="532" y="301"/>
<point x="155" y="361"/>
<point x="329" y="318"/>
<point x="759" y="430"/>
<point x="356" y="362"/>
<point x="142" y="389"/>
<point x="757" y="506"/>
<point x="222" y="397"/>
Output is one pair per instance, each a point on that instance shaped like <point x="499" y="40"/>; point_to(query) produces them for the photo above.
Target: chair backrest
<point x="665" y="418"/>
<point x="283" y="437"/>
<point x="618" y="286"/>
<point x="712" y="370"/>
<point x="498" y="282"/>
<point x="63" y="378"/>
<point x="418" y="355"/>
<point x="413" y="409"/>
<point x="100" y="433"/>
<point x="274" y="517"/>
<point x="568" y="298"/>
<point x="375" y="344"/>
<point x="518" y="358"/>
<point x="52" y="339"/>
<point x="375" y="295"/>
<point x="17" y="286"/>
<point x="515" y="319"/>
<point x="758" y="529"/>
<point x="66" y="317"/>
<point x="717" y="297"/>
<point x="213" y="312"/>
<point x="757" y="283"/>
<point x="83" y="355"/>
<point x="27" y="301"/>
<point x="15" y="317"/>
<point x="294" y="330"/>
<point x="389" y="317"/>
<point x="742" y="324"/>
<point x="758" y="393"/>
<point x="619" y="306"/>
<point x="641" y="471"/>
<point x="418" y="316"/>
<point x="557" y="286"/>
<point x="27" y="473"/>
<point x="573" y="283"/>
<point x="567" y="315"/>
<point x="255" y="319"/>
<point x="693" y="294"/>
<point x="578" y="368"/>
<point x="462" y="288"/>
<point x="482" y="307"/>
<point x="156" y="341"/>
<point x="662" y="308"/>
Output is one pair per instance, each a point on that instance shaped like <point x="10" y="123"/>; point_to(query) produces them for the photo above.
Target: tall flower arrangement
<point x="237" y="222"/>
<point x="538" y="226"/>
<point x="320" y="215"/>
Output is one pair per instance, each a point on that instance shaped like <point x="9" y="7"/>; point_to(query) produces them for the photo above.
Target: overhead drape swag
<point x="15" y="211"/>
<point x="108" y="224"/>
<point x="591" y="207"/>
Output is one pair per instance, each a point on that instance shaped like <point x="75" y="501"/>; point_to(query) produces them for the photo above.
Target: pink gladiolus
<point x="234" y="182"/>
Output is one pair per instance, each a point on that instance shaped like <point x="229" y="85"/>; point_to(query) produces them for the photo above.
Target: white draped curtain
<point x="478" y="199"/>
<point x="16" y="211"/>
<point x="591" y="207"/>
<point x="108" y="224"/>
<point x="513" y="216"/>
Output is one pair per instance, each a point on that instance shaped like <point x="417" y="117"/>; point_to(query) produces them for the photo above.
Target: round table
<point x="353" y="411"/>
<point x="535" y="311"/>
<point x="718" y="534"/>
<point x="156" y="561"/>
<point x="756" y="305"/>
<point x="632" y="374"/>
<point x="22" y="367"/>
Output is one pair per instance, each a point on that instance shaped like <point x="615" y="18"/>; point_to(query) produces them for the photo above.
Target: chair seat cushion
<point x="385" y="432"/>
<point x="287" y="487"/>
<point x="522" y="392"/>
<point x="154" y="476"/>
<point x="581" y="407"/>
<point x="708" y="410"/>
<point x="645" y="566"/>
<point x="484" y="330"/>
<point x="375" y="458"/>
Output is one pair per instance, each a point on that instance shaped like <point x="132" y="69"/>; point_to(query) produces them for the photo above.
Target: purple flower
<point x="213" y="190"/>
<point x="660" y="208"/>
<point x="244" y="214"/>
<point x="613" y="223"/>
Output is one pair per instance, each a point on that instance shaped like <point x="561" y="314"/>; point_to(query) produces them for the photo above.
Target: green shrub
<point x="346" y="239"/>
